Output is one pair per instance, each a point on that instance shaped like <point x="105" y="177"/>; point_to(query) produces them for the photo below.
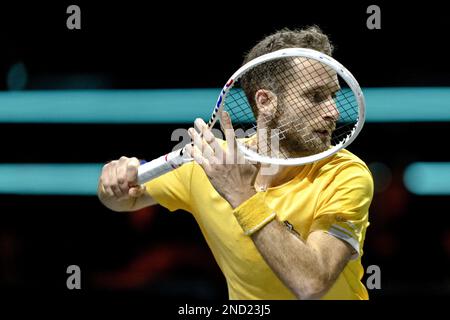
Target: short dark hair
<point x="310" y="37"/>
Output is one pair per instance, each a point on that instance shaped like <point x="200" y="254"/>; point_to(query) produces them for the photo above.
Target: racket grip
<point x="155" y="168"/>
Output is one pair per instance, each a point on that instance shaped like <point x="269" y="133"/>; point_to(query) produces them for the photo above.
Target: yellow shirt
<point x="332" y="195"/>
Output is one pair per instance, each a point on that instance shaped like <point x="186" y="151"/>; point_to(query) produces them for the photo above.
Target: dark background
<point x="128" y="45"/>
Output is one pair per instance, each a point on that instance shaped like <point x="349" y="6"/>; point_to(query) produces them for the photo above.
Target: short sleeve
<point x="172" y="190"/>
<point x="343" y="206"/>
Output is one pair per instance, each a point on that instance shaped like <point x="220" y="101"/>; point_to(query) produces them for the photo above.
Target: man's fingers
<point x="114" y="185"/>
<point x="233" y="154"/>
<point x="211" y="140"/>
<point x="229" y="131"/>
<point x="207" y="142"/>
<point x="199" y="124"/>
<point x="194" y="152"/>
<point x="121" y="175"/>
<point x="225" y="120"/>
<point x="132" y="171"/>
<point x="201" y="144"/>
<point x="137" y="191"/>
<point x="105" y="180"/>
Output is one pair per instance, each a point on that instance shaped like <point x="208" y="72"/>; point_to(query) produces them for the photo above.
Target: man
<point x="296" y="234"/>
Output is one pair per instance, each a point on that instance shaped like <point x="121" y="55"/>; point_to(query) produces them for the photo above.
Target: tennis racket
<point x="289" y="107"/>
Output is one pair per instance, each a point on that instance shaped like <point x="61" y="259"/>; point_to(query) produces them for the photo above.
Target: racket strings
<point x="296" y="114"/>
<point x="292" y="100"/>
<point x="348" y="110"/>
<point x="345" y="102"/>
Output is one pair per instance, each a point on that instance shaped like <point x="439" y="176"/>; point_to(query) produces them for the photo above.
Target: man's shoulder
<point x="347" y="157"/>
<point x="343" y="161"/>
<point x="347" y="171"/>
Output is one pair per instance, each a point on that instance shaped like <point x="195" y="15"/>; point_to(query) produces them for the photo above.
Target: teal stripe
<point x="107" y="106"/>
<point x="49" y="179"/>
<point x="184" y="105"/>
<point x="421" y="178"/>
<point x="428" y="178"/>
<point x="407" y="104"/>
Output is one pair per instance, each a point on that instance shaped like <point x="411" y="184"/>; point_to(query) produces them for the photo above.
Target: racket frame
<point x="295" y="52"/>
<point x="175" y="159"/>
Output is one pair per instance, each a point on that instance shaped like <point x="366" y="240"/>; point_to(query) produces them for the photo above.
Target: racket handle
<point x="161" y="165"/>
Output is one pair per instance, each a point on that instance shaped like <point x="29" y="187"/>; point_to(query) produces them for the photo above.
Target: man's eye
<point x="318" y="96"/>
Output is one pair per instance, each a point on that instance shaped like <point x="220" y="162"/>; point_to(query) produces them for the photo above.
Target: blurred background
<point x="72" y="100"/>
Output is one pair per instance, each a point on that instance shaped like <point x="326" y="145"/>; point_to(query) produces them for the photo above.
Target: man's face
<point x="306" y="111"/>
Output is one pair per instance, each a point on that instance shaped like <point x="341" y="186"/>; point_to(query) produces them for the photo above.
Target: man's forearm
<point x="296" y="263"/>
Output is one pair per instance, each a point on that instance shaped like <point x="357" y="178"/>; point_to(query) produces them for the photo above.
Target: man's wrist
<point x="253" y="214"/>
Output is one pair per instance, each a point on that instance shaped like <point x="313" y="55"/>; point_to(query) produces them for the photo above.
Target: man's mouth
<point x="324" y="133"/>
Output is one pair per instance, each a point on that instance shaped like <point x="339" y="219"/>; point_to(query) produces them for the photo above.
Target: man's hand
<point x="231" y="175"/>
<point x="118" y="188"/>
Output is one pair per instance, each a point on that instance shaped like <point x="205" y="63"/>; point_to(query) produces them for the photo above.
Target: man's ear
<point x="266" y="102"/>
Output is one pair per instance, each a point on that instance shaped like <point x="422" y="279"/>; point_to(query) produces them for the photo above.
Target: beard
<point x="293" y="139"/>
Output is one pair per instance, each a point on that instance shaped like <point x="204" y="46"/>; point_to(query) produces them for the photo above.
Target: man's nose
<point x="330" y="110"/>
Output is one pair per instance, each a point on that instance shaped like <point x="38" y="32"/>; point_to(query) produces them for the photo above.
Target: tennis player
<point x="295" y="234"/>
